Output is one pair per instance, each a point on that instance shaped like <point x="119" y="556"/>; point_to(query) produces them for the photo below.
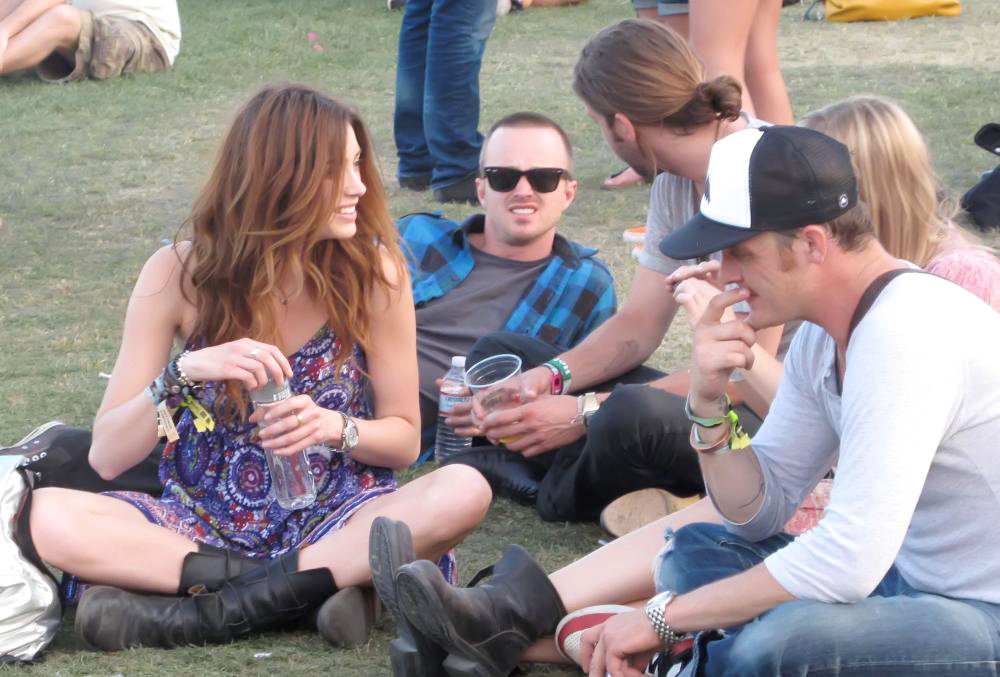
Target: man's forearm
<point x="728" y="602"/>
<point x="612" y="349"/>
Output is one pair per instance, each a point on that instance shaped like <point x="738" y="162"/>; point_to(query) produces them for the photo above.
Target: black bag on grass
<point x="982" y="201"/>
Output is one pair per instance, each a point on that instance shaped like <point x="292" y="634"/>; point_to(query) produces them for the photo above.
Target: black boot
<point x="484" y="629"/>
<point x="210" y="567"/>
<point x="509" y="474"/>
<point x="390" y="546"/>
<point x="271" y="596"/>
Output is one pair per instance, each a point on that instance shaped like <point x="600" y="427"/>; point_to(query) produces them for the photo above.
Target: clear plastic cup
<point x="495" y="384"/>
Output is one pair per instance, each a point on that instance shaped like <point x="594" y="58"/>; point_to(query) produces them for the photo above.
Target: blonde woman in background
<point x="897" y="182"/>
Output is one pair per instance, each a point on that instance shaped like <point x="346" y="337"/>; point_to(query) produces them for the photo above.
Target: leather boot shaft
<point x="485" y="628"/>
<point x="270" y="596"/>
<point x="208" y="568"/>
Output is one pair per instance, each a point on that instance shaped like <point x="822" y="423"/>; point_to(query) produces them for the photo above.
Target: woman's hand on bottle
<point x="297" y="423"/>
<point x="244" y="360"/>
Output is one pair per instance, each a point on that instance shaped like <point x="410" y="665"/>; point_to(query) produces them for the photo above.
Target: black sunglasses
<point x="542" y="179"/>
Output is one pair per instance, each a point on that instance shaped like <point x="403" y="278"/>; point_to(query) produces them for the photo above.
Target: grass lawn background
<point x="94" y="175"/>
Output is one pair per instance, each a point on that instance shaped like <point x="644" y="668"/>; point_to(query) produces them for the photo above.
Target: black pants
<point x="637" y="439"/>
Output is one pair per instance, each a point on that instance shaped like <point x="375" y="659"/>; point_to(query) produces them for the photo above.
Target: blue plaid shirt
<point x="572" y="295"/>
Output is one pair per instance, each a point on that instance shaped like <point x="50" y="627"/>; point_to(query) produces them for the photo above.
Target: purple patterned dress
<point x="216" y="485"/>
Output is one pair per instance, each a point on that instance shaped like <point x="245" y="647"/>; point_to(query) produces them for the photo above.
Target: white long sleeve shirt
<point x="918" y="432"/>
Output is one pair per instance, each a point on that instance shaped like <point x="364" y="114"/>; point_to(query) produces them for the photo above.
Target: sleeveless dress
<point x="216" y="485"/>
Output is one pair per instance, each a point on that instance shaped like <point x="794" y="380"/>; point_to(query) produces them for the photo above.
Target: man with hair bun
<point x="601" y="424"/>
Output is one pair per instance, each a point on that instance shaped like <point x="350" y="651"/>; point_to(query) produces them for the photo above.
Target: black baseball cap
<point x="772" y="178"/>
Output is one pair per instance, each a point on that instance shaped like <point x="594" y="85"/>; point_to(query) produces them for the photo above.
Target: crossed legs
<point x="33" y="29"/>
<point x="105" y="540"/>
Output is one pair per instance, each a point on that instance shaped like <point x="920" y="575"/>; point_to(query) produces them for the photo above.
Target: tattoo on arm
<point x="622" y="358"/>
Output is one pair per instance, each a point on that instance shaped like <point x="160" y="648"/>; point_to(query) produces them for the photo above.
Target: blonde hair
<point x="895" y="177"/>
<point x="650" y="74"/>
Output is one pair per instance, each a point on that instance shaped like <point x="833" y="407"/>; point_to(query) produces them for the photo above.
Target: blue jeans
<point x="436" y="123"/>
<point x="897" y="630"/>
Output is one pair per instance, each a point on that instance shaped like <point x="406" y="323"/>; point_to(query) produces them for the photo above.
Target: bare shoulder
<point x="164" y="270"/>
<point x="398" y="291"/>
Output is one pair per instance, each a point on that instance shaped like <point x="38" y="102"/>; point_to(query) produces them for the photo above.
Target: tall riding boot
<point x="484" y="629"/>
<point x="210" y="567"/>
<point x="270" y="596"/>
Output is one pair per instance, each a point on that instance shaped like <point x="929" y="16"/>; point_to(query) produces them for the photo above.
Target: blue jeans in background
<point x="436" y="123"/>
<point x="896" y="631"/>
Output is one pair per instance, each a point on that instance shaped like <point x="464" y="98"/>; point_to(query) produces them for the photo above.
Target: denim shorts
<point x="663" y="7"/>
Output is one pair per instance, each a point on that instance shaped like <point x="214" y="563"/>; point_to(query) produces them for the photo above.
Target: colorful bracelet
<point x="176" y="374"/>
<point x="707" y="422"/>
<point x="735" y="437"/>
<point x="556" y="386"/>
<point x="564" y="373"/>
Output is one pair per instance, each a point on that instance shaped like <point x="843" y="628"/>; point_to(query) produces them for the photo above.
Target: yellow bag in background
<point x="888" y="10"/>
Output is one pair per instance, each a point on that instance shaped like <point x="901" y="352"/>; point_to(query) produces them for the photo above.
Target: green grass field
<point x="94" y="175"/>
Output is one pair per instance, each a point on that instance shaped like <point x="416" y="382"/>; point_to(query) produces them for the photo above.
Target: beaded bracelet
<point x="174" y="372"/>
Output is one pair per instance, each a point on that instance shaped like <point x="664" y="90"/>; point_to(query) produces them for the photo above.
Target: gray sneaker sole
<point x="390" y="547"/>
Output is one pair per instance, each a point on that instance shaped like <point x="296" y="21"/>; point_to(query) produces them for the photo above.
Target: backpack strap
<point x="872" y="292"/>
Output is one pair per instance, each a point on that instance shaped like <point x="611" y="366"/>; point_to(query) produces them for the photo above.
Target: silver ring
<point x="298" y="417"/>
<point x="253" y="353"/>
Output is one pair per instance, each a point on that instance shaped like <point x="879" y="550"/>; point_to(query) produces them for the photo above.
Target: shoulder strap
<point x="874" y="289"/>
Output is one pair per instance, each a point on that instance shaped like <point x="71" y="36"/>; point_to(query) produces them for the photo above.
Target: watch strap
<point x="658" y="618"/>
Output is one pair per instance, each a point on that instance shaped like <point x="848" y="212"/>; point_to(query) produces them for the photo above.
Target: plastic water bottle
<point x="453" y="392"/>
<point x="292" y="482"/>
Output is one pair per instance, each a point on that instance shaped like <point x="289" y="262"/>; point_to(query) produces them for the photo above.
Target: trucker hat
<point x="780" y="177"/>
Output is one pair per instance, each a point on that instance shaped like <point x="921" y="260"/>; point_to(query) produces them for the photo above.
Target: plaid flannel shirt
<point x="572" y="295"/>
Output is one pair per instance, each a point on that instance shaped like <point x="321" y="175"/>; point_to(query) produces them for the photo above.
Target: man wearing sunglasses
<point x="506" y="268"/>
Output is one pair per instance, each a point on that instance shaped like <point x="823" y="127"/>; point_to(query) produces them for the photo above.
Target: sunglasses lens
<point x="544" y="180"/>
<point x="502" y="179"/>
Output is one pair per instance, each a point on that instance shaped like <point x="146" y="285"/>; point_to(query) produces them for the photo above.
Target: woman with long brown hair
<point x="292" y="277"/>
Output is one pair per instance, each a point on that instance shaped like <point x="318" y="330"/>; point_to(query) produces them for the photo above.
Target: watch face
<point x="351" y="435"/>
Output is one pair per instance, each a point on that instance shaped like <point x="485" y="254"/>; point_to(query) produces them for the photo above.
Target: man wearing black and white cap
<point x="894" y="379"/>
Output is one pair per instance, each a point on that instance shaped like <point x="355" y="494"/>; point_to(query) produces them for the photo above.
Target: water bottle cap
<point x="458" y="361"/>
<point x="272" y="392"/>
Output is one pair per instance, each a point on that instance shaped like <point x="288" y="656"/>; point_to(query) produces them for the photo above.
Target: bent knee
<point x="51" y="519"/>
<point x="65" y="21"/>
<point x="463" y="491"/>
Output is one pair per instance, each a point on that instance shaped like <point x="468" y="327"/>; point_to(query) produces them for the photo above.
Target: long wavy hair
<point x="895" y="177"/>
<point x="263" y="217"/>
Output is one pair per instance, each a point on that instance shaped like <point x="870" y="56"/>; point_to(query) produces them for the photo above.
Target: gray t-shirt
<point x="450" y="324"/>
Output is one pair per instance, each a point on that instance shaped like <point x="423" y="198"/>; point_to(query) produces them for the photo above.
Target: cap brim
<point x="701" y="236"/>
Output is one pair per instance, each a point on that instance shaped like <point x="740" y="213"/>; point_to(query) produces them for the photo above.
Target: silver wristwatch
<point x="348" y="434"/>
<point x="656" y="611"/>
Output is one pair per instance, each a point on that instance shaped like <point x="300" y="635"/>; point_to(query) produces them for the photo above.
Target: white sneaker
<point x="395" y="4"/>
<point x="503" y="7"/>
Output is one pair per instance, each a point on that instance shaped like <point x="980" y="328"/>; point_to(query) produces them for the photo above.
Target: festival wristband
<point x="705" y="422"/>
<point x="202" y="419"/>
<point x="556" y="386"/>
<point x="564" y="372"/>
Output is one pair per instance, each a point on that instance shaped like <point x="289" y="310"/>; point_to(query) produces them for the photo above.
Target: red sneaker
<point x="573" y="625"/>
